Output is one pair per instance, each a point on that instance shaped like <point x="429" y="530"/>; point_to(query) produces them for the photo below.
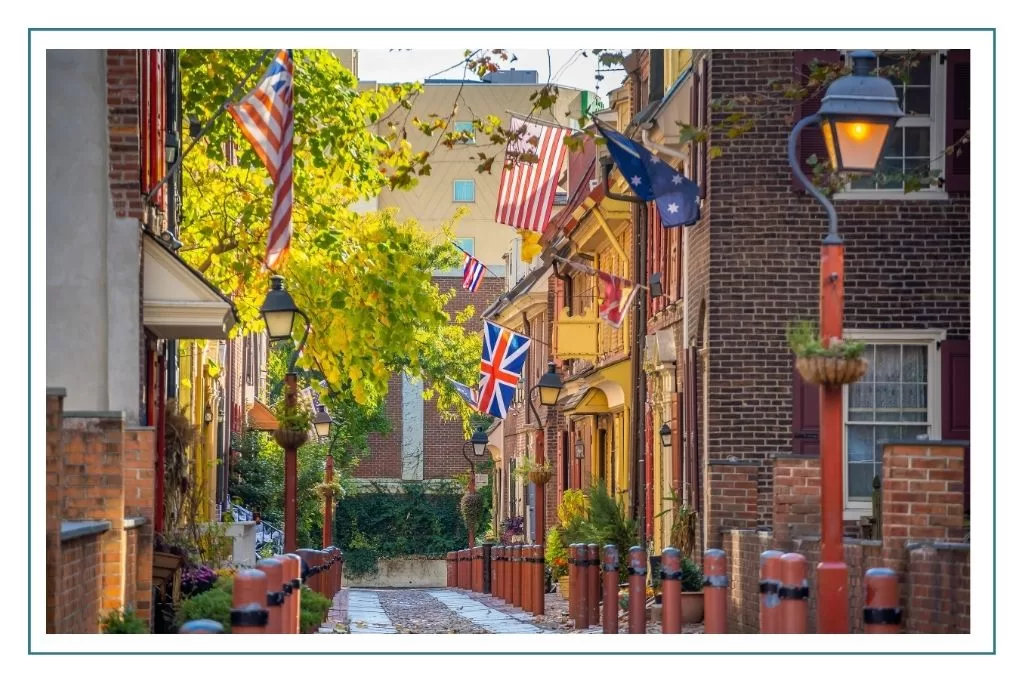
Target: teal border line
<point x="991" y="30"/>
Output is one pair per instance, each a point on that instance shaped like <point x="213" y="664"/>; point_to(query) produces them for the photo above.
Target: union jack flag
<point x="472" y="273"/>
<point x="502" y="363"/>
<point x="265" y="116"/>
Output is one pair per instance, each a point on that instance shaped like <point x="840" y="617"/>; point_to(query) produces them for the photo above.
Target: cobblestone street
<point x="449" y="610"/>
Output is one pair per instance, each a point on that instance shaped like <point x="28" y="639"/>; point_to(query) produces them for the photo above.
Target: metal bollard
<point x="637" y="590"/>
<point x="793" y="594"/>
<point x="488" y="568"/>
<point x="882" y="613"/>
<point x="593" y="583"/>
<point x="248" y="602"/>
<point x="274" y="570"/>
<point x="716" y="590"/>
<point x="201" y="626"/>
<point x="296" y="581"/>
<point x="611" y="589"/>
<point x="538" y="580"/>
<point x="450" y="568"/>
<point x="771" y="570"/>
<point x="671" y="591"/>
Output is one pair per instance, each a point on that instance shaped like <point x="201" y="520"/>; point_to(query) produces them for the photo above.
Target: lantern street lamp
<point x="666" y="435"/>
<point x="856" y="116"/>
<point x="279" y="311"/>
<point x="478" y="444"/>
<point x="549" y="387"/>
<point x="322" y="424"/>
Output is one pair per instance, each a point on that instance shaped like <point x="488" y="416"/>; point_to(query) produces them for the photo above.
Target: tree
<point x="363" y="280"/>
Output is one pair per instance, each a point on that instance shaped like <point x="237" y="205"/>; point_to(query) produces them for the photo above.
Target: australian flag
<point x="500" y="367"/>
<point x="677" y="197"/>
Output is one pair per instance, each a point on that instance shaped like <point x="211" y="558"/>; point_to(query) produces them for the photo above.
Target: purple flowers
<point x="195" y="580"/>
<point x="512" y="530"/>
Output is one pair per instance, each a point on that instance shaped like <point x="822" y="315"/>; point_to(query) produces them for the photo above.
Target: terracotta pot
<point x="540" y="478"/>
<point x="290" y="438"/>
<point x="831" y="371"/>
<point x="692" y="607"/>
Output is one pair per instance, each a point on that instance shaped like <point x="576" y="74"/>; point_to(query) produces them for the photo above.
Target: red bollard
<point x="593" y="583"/>
<point x="249" y="600"/>
<point x="671" y="591"/>
<point x="449" y="565"/>
<point x="716" y="590"/>
<point x="793" y="593"/>
<point x="292" y="584"/>
<point x="517" y="576"/>
<point x="574" y="584"/>
<point x="538" y="580"/>
<point x="496" y="564"/>
<point x="529" y="593"/>
<point x="637" y="590"/>
<point x="477" y="564"/>
<point x="465" y="570"/>
<point x="274" y="571"/>
<point x="882" y="613"/>
<point x="508" y="571"/>
<point x="584" y="573"/>
<point x="771" y="569"/>
<point x="611" y="589"/>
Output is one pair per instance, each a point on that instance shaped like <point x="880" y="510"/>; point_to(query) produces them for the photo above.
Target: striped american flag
<point x="527" y="190"/>
<point x="265" y="116"/>
<point x="472" y="273"/>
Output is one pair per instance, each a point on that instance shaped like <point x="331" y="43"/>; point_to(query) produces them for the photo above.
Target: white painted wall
<point x="92" y="257"/>
<point x="412" y="428"/>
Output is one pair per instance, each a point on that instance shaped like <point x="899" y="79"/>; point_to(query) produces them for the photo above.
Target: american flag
<point x="527" y="190"/>
<point x="472" y="273"/>
<point x="502" y="363"/>
<point x="265" y="116"/>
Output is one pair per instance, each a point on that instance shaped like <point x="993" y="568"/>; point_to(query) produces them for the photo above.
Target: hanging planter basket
<point x="831" y="371"/>
<point x="540" y="477"/>
<point x="290" y="438"/>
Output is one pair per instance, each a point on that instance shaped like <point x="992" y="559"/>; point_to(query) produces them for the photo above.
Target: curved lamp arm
<point x="302" y="344"/>
<point x="833" y="221"/>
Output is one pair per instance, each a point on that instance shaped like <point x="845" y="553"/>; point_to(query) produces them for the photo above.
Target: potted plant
<point x="539" y="474"/>
<point x="836" y="363"/>
<point x="692" y="607"/>
<point x="556" y="557"/>
<point x="293" y="424"/>
<point x="333" y="488"/>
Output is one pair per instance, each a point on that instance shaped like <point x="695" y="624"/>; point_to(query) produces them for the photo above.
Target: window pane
<point x="918" y="101"/>
<point x="887" y="396"/>
<point x="891" y="166"/>
<point x="859" y="482"/>
<point x="862" y="395"/>
<point x="887" y="365"/>
<point x="915" y="396"/>
<point x="915" y="359"/>
<point x="885" y="434"/>
<point x="913" y="432"/>
<point x="918" y="141"/>
<point x="465" y="191"/>
<point x="860" y="443"/>
<point x="921" y="71"/>
<point x="894" y="143"/>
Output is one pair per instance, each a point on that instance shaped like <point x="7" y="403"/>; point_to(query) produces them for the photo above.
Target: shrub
<point x="213" y="604"/>
<point x="116" y="622"/>
<point x="313" y="610"/>
<point x="693" y="577"/>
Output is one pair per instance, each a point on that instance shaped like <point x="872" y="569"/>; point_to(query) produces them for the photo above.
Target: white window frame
<point x="931" y="338"/>
<point x="472" y="140"/>
<point x="938" y="138"/>
<point x="463" y="201"/>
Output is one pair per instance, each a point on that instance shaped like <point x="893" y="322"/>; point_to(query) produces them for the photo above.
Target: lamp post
<point x="856" y="116"/>
<point x="479" y="445"/>
<point x="549" y="388"/>
<point x="666" y="435"/>
<point x="279" y="311"/>
<point x="323" y="424"/>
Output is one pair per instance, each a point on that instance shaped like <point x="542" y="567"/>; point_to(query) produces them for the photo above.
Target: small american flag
<point x="527" y="190"/>
<point x="472" y="273"/>
<point x="265" y="116"/>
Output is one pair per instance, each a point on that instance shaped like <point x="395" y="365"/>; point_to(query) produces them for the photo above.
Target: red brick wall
<point x="939" y="588"/>
<point x="54" y="482"/>
<point x="123" y="120"/>
<point x="797" y="500"/>
<point x="385" y="450"/>
<point x="755" y="256"/>
<point x="80" y="596"/>
<point x="731" y="497"/>
<point x="139" y="501"/>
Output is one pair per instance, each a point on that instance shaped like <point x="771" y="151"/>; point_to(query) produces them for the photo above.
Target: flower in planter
<point x="195" y="580"/>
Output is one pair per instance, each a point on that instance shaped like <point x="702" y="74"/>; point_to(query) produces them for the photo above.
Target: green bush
<point x="115" y="622"/>
<point x="415" y="521"/>
<point x="313" y="609"/>
<point x="693" y="577"/>
<point x="213" y="604"/>
<point x="608" y="523"/>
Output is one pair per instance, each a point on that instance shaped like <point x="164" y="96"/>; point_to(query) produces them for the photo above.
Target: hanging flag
<point x="615" y="306"/>
<point x="265" y="116"/>
<point x="472" y="273"/>
<point x="677" y="197"/>
<point x="503" y="358"/>
<point x="529" y="248"/>
<point x="467" y="393"/>
<point x="527" y="189"/>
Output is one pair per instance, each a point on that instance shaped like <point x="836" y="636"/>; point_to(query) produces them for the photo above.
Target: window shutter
<point x="806" y="417"/>
<point x="956" y="401"/>
<point x="958" y="119"/>
<point x="811" y="141"/>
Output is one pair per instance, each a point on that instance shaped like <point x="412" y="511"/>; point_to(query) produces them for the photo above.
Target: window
<point x="916" y="144"/>
<point x="466" y="127"/>
<point x="464" y="191"/>
<point x="896" y="400"/>
<point x="466" y="244"/>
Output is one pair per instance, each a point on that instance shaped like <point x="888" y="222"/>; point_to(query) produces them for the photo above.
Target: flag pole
<point x="206" y="128"/>
<point x="594" y="271"/>
<point x="454" y="244"/>
<point x="533" y="339"/>
<point x="533" y="119"/>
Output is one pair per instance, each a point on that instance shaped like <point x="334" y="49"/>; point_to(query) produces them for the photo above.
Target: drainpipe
<point x="638" y="444"/>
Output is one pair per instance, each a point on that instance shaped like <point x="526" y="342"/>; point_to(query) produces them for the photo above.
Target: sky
<point x="568" y="67"/>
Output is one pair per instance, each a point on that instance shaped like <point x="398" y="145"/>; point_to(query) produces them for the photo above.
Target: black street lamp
<point x="549" y="387"/>
<point x="666" y="435"/>
<point x="478" y="442"/>
<point x="322" y="424"/>
<point x="856" y="116"/>
<point x="279" y="311"/>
